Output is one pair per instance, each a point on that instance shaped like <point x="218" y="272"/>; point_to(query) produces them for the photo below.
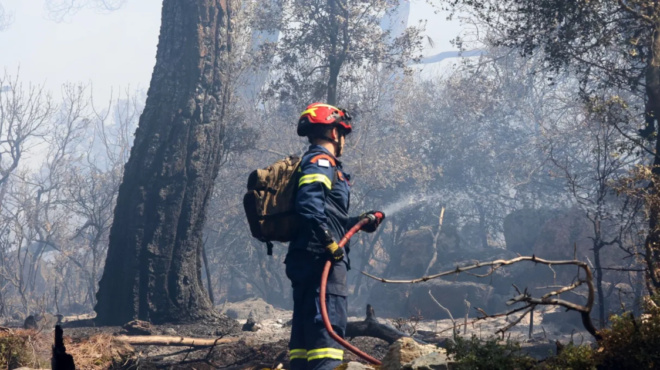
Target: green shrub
<point x="573" y="357"/>
<point x="14" y="352"/>
<point x="631" y="343"/>
<point x="475" y="354"/>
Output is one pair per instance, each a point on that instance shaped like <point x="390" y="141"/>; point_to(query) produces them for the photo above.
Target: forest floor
<point x="266" y="347"/>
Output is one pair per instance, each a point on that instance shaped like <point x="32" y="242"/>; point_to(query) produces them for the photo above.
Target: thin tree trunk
<point x="153" y="267"/>
<point x="598" y="270"/>
<point x="332" y="82"/>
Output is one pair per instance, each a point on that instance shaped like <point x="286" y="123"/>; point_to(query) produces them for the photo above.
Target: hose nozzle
<point x="376" y="217"/>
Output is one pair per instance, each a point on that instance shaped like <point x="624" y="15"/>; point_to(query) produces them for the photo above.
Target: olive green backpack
<point x="270" y="202"/>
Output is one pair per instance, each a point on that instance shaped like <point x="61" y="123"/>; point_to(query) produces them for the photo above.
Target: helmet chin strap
<point x="337" y="149"/>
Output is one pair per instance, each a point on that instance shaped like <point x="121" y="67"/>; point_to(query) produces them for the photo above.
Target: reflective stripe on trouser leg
<point x="298" y="354"/>
<point x="297" y="345"/>
<point x="321" y="353"/>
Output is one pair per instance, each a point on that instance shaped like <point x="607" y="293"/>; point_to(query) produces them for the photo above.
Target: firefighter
<point x="322" y="202"/>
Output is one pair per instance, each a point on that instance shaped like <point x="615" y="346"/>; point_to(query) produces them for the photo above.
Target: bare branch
<point x="517" y="320"/>
<point x="635" y="13"/>
<point x="525" y="297"/>
<point x="494" y="264"/>
<point x="444" y="308"/>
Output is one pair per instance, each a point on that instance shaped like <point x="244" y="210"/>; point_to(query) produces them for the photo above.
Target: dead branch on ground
<point x="162" y="340"/>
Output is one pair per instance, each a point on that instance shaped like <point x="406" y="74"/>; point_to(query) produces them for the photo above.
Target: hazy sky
<point x="115" y="49"/>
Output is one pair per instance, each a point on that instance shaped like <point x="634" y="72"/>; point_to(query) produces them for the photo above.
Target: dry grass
<point x="98" y="352"/>
<point x="33" y="349"/>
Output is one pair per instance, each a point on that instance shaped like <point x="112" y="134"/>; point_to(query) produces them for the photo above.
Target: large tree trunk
<point x="652" y="243"/>
<point x="153" y="268"/>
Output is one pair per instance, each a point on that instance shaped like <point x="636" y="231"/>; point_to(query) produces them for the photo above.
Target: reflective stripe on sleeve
<point x="315" y="177"/>
<point x="320" y="353"/>
<point x="297" y="354"/>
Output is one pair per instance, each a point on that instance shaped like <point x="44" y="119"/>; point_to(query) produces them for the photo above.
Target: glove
<point x="375" y="218"/>
<point x="334" y="252"/>
<point x="331" y="248"/>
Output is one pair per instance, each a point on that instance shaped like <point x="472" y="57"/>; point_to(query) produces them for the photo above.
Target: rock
<point x="565" y="321"/>
<point x="404" y="351"/>
<point x="354" y="366"/>
<point x="432" y="361"/>
<point x="256" y="308"/>
<point x="523" y="227"/>
<point x="451" y="295"/>
<point x="560" y="234"/>
<point x="471" y="236"/>
<point x="250" y="325"/>
<point x="30" y="323"/>
<point x="138" y="327"/>
<point x="414" y="252"/>
<point x="41" y="321"/>
<point x="169" y="331"/>
<point x="417" y="250"/>
<point x="500" y="279"/>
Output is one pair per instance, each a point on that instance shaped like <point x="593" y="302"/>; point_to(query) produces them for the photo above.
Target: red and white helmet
<point x="319" y="114"/>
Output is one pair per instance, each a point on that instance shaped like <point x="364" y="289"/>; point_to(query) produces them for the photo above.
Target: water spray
<point x="407" y="202"/>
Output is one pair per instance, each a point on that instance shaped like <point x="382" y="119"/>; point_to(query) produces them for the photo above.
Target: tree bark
<point x="652" y="243"/>
<point x="153" y="267"/>
<point x="338" y="19"/>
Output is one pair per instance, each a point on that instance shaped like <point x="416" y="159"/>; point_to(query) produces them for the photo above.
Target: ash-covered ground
<point x="264" y="345"/>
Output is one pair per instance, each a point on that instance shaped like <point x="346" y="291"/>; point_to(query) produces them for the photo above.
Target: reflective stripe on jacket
<point x="322" y="200"/>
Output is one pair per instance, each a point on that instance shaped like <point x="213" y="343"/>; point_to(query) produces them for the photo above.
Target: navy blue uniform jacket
<point x="322" y="203"/>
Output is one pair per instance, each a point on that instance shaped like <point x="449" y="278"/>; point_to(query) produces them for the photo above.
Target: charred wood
<point x="61" y="360"/>
<point x="370" y="327"/>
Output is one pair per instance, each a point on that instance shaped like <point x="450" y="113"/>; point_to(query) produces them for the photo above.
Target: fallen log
<point x="163" y="340"/>
<point x="370" y="327"/>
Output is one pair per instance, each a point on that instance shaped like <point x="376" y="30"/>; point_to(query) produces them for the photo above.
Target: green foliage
<point x="325" y="46"/>
<point x="631" y="343"/>
<point x="14" y="352"/>
<point x="573" y="357"/>
<point x="476" y="354"/>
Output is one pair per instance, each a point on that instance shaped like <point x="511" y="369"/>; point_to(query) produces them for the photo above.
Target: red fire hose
<point x="324" y="309"/>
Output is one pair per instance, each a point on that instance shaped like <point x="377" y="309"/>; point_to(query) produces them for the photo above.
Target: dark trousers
<point x="311" y="347"/>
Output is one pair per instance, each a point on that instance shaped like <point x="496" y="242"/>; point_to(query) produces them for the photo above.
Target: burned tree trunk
<point x="652" y="243"/>
<point x="153" y="267"/>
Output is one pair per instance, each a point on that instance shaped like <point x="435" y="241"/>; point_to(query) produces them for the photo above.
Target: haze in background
<point x="118" y="49"/>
